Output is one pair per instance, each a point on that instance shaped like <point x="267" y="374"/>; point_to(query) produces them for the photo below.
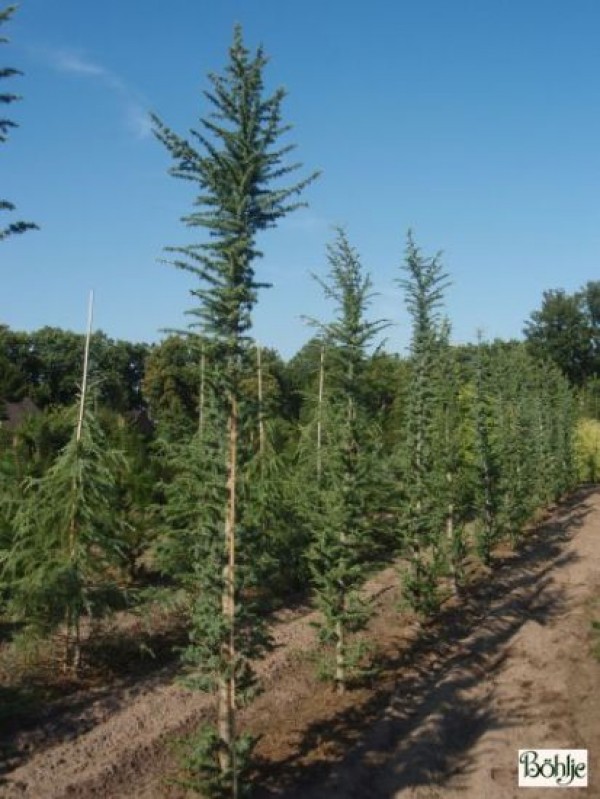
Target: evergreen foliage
<point x="340" y="513"/>
<point x="65" y="549"/>
<point x="450" y="460"/>
<point x="423" y="515"/>
<point x="6" y="98"/>
<point x="239" y="168"/>
<point x="487" y="492"/>
<point x="515" y="378"/>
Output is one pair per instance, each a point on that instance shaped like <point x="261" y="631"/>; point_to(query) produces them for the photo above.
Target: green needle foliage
<point x="340" y="513"/>
<point x="487" y="493"/>
<point x="516" y="482"/>
<point x="239" y="167"/>
<point x="63" y="562"/>
<point x="523" y="421"/>
<point x="6" y="125"/>
<point x="423" y="516"/>
<point x="555" y="418"/>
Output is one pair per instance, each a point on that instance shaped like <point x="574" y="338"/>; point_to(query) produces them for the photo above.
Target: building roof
<point x="14" y="413"/>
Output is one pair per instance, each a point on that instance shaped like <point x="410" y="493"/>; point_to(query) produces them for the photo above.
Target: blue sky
<point x="474" y="122"/>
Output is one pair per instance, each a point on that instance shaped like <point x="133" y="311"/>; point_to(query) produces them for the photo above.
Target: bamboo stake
<point x="86" y="358"/>
<point x="73" y="658"/>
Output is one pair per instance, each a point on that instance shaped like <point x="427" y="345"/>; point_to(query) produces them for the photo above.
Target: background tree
<point x="238" y="169"/>
<point x="171" y="386"/>
<point x="6" y="125"/>
<point x="566" y="330"/>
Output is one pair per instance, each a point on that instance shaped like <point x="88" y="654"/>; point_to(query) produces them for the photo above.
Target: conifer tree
<point x="238" y="165"/>
<point x="423" y="515"/>
<point x="5" y="126"/>
<point x="346" y="471"/>
<point x="66" y="532"/>
<point x="66" y="539"/>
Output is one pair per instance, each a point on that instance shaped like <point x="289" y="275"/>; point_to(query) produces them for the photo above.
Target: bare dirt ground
<point x="442" y="713"/>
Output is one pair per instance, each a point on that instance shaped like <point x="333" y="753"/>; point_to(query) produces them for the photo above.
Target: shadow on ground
<point x="416" y="727"/>
<point x="42" y="709"/>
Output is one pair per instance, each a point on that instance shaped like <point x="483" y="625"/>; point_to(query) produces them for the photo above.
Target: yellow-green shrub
<point x="587" y="450"/>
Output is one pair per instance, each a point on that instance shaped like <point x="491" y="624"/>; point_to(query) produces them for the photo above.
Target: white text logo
<point x="553" y="768"/>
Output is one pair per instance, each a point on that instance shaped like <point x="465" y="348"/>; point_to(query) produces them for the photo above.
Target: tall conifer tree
<point x="238" y="165"/>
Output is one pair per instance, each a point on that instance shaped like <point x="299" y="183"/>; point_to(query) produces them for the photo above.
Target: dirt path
<point x="444" y="714"/>
<point x="522" y="677"/>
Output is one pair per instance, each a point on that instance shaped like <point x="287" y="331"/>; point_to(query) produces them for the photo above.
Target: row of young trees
<point x="429" y="461"/>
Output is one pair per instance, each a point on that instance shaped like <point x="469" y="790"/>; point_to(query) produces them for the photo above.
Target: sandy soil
<point x="443" y="712"/>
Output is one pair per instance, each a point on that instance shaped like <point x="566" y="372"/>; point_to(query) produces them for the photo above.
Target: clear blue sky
<point x="474" y="122"/>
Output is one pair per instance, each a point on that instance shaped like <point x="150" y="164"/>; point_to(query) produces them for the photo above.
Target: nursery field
<point x="370" y="569"/>
<point x="442" y="710"/>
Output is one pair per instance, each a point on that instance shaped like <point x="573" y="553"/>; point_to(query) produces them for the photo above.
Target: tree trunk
<point x="320" y="411"/>
<point x="227" y="690"/>
<point x="261" y="422"/>
<point x="202" y="393"/>
<point x="340" y="657"/>
<point x="450" y="541"/>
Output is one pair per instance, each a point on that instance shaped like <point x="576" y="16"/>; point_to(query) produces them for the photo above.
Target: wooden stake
<point x="73" y="634"/>
<point x="86" y="358"/>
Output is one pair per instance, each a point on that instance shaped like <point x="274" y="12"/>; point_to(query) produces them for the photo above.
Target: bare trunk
<point x="450" y="542"/>
<point x="77" y="643"/>
<point x="227" y="690"/>
<point x="261" y="423"/>
<point x="320" y="411"/>
<point x="340" y="657"/>
<point x="66" y="664"/>
<point x="202" y="393"/>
